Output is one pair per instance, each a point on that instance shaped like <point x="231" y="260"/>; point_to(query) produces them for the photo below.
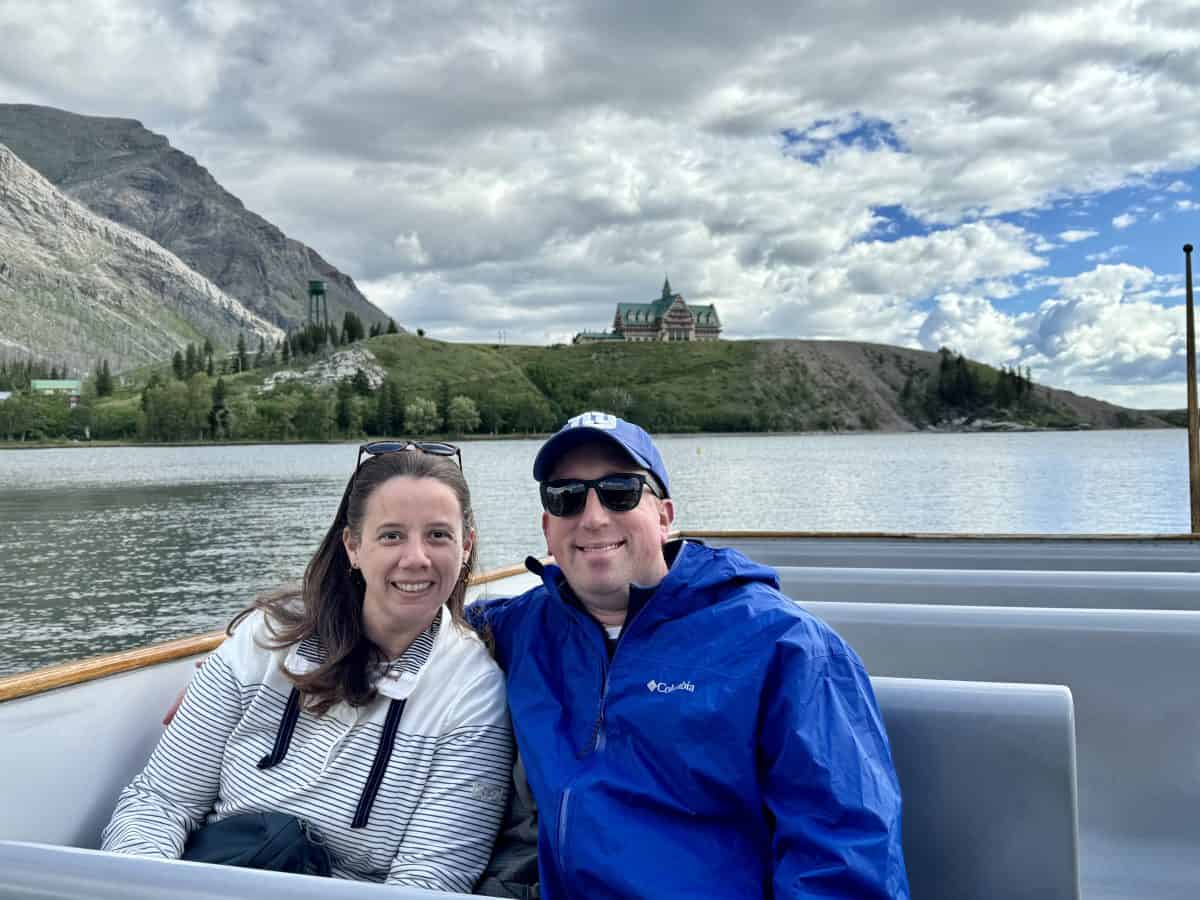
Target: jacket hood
<point x="699" y="576"/>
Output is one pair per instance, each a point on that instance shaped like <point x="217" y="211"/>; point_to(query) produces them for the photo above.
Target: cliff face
<point x="126" y="173"/>
<point x="75" y="287"/>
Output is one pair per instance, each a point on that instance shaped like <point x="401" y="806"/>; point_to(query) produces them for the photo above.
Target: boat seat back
<point x="987" y="773"/>
<point x="64" y="791"/>
<point x="1088" y="554"/>
<point x="994" y="587"/>
<point x="1132" y="675"/>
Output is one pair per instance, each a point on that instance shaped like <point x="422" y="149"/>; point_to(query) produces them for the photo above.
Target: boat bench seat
<point x="994" y="587"/>
<point x="1132" y="675"/>
<point x="987" y="772"/>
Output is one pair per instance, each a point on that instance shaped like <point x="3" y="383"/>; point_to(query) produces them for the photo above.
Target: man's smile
<point x="599" y="548"/>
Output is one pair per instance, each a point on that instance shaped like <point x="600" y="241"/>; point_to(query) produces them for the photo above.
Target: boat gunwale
<point x="49" y="678"/>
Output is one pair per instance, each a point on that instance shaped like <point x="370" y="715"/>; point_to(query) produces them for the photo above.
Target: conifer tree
<point x="344" y="410"/>
<point x="218" y="416"/>
<point x="177" y="366"/>
<point x="443" y="403"/>
<point x="383" y="408"/>
<point x="242" y="360"/>
<point x="104" y="380"/>
<point x="360" y="383"/>
<point x="391" y="328"/>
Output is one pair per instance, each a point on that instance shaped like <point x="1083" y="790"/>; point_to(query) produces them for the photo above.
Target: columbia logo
<point x="661" y="687"/>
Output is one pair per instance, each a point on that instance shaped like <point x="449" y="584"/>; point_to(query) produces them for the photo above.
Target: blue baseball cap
<point x="592" y="426"/>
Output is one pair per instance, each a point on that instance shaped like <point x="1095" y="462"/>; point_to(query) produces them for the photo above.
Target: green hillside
<point x="406" y="384"/>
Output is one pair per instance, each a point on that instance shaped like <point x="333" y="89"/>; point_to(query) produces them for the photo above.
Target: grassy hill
<point x="749" y="386"/>
<point x="778" y="385"/>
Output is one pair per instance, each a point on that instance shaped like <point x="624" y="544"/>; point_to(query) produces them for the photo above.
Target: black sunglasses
<point x="434" y="448"/>
<point x="619" y="492"/>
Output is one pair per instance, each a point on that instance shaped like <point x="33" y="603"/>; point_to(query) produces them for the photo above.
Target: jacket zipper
<point x="598" y="737"/>
<point x="595" y="743"/>
<point x="562" y="831"/>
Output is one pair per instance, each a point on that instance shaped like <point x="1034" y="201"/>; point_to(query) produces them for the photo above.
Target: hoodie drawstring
<point x="383" y="756"/>
<point x="283" y="737"/>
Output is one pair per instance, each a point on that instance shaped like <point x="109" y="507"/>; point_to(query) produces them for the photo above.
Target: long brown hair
<point x="328" y="604"/>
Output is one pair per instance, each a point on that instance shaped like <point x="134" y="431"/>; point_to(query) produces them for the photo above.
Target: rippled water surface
<point x="107" y="548"/>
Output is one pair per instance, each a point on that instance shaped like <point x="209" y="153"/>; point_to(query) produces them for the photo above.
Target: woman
<point x="361" y="705"/>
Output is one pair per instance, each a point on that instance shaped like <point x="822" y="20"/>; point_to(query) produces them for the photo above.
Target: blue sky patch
<point x="813" y="143"/>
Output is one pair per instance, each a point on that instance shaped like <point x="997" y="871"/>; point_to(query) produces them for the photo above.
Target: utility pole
<point x="1193" y="416"/>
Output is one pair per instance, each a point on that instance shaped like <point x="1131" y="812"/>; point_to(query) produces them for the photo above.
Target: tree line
<point x="16" y="375"/>
<point x="204" y="408"/>
<point x="961" y="387"/>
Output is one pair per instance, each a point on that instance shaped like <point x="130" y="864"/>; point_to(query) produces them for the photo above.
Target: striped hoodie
<point x="408" y="789"/>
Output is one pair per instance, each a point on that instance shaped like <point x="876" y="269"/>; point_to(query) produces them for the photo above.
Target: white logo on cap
<point x="606" y="421"/>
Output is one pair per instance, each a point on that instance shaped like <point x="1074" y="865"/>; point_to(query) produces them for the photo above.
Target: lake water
<point x="103" y="549"/>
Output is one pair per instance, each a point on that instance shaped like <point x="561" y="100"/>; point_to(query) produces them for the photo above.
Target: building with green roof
<point x="71" y="388"/>
<point x="668" y="318"/>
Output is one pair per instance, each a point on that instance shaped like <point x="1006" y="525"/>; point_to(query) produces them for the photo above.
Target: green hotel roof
<point x="649" y="313"/>
<point x="55" y="384"/>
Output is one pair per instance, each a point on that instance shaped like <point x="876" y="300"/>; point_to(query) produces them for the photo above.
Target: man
<point x="686" y="729"/>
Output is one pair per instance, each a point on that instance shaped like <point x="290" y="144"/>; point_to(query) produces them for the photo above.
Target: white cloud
<point x="482" y="166"/>
<point x="1105" y="326"/>
<point x="972" y="326"/>
<point x="1186" y="205"/>
<point x="1075" y="235"/>
<point x="1107" y="255"/>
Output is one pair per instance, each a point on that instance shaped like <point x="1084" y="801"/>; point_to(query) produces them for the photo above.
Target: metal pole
<point x="1193" y="415"/>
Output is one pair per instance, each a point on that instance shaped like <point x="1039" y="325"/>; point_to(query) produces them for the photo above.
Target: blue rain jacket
<point x="732" y="748"/>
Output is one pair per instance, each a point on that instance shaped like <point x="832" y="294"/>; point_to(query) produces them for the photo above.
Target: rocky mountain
<point x="75" y="287"/>
<point x="126" y="173"/>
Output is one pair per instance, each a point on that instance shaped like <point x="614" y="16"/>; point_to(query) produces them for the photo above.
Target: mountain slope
<point x="124" y="172"/>
<point x="75" y="287"/>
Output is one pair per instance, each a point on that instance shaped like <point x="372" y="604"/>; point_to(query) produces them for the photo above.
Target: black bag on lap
<point x="272" y="841"/>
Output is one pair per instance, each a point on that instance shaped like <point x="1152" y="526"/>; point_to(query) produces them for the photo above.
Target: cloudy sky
<point x="1011" y="179"/>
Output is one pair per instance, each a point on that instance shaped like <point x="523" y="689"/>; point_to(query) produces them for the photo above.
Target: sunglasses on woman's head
<point x="619" y="492"/>
<point x="434" y="448"/>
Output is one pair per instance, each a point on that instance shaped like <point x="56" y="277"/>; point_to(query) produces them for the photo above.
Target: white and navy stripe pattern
<point x="436" y="804"/>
